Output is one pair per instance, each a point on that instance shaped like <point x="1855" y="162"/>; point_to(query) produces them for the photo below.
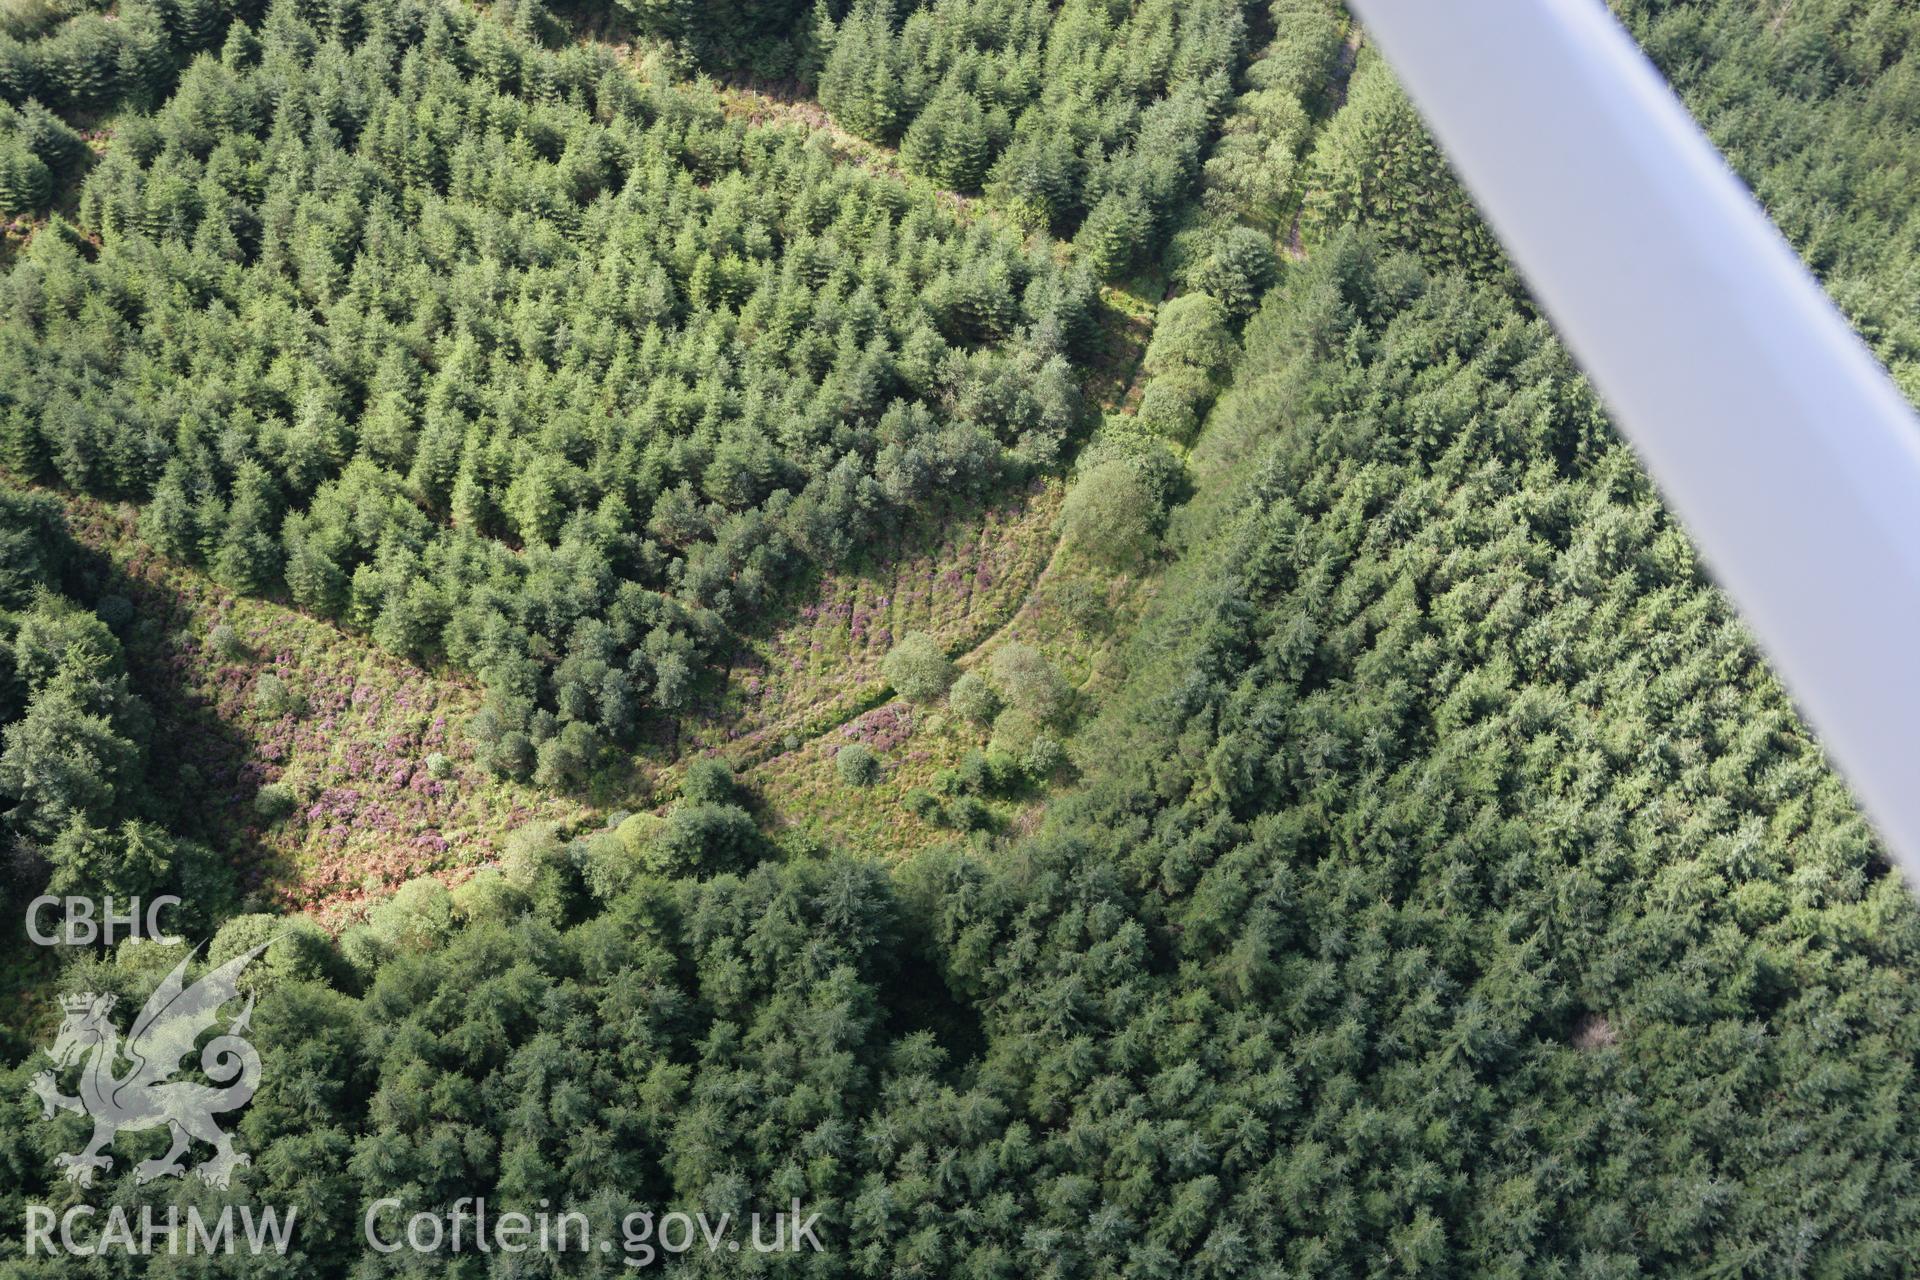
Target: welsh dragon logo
<point x="128" y="1085"/>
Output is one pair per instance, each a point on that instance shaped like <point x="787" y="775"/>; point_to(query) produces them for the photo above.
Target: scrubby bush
<point x="1302" y="58"/>
<point x="1251" y="173"/>
<point x="364" y="950"/>
<point x="1190" y="333"/>
<point x="607" y="865"/>
<point x="637" y="831"/>
<point x="487" y="895"/>
<point x="709" y="780"/>
<point x="1014" y="731"/>
<point x="857" y="765"/>
<point x="1043" y="757"/>
<point x="274" y="697"/>
<point x="969" y="813"/>
<point x="242" y="934"/>
<point x="917" y="668"/>
<point x="536" y="861"/>
<point x="1027" y="681"/>
<point x="297" y="950"/>
<point x="1110" y="516"/>
<point x="1170" y="406"/>
<point x="418" y="917"/>
<point x="1004" y="772"/>
<point x="976" y="776"/>
<point x="703" y="840"/>
<point x="498" y="744"/>
<point x="973" y="699"/>
<point x="530" y="851"/>
<point x="513" y="755"/>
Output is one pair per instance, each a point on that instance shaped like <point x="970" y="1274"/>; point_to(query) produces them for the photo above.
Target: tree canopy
<point x="1432" y="879"/>
<point x="515" y="363"/>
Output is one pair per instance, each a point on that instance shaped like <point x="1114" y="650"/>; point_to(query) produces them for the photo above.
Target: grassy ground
<point x="1075" y="614"/>
<point x="959" y="583"/>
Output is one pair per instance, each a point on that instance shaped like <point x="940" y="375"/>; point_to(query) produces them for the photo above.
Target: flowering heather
<point x="352" y="747"/>
<point x="883" y="728"/>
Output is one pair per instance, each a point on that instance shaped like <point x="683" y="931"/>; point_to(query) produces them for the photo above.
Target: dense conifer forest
<point x="994" y="617"/>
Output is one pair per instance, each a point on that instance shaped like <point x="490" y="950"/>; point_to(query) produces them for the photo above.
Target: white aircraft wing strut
<point x="1770" y="428"/>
